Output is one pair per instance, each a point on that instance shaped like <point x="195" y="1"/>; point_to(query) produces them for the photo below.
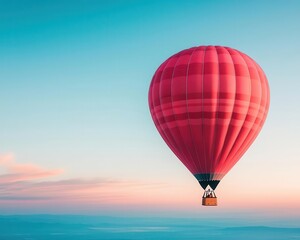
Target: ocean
<point x="75" y="227"/>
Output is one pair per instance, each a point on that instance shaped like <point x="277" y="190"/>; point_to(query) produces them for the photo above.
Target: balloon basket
<point x="209" y="201"/>
<point x="209" y="198"/>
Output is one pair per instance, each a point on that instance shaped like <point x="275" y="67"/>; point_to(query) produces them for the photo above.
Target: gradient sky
<point x="76" y="134"/>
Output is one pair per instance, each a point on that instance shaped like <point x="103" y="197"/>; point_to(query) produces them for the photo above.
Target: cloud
<point x="28" y="183"/>
<point x="23" y="172"/>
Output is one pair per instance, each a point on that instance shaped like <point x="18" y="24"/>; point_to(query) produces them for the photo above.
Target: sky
<point x="76" y="135"/>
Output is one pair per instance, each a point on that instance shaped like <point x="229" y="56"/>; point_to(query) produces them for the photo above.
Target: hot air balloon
<point x="209" y="103"/>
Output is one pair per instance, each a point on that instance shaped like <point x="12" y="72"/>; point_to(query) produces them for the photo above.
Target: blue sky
<point x="74" y="80"/>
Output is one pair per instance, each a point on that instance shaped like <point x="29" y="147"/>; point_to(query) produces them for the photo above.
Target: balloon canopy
<point x="209" y="103"/>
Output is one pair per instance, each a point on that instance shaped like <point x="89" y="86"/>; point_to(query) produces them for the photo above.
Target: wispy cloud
<point x="16" y="172"/>
<point x="29" y="182"/>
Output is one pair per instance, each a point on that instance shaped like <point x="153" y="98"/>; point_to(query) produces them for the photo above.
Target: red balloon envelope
<point x="209" y="103"/>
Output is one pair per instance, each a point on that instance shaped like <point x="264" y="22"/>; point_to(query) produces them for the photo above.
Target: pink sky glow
<point x="26" y="187"/>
